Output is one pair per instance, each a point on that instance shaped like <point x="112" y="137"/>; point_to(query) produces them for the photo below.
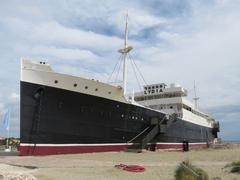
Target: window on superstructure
<point x="96" y="89"/>
<point x="86" y="87"/>
<point x="56" y="81"/>
<point x="75" y="85"/>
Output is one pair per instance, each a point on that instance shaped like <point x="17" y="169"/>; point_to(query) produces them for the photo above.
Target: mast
<point x="126" y="49"/>
<point x="195" y="97"/>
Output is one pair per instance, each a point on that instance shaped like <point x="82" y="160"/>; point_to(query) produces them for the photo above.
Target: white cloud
<point x="170" y="37"/>
<point x="52" y="32"/>
<point x="138" y="20"/>
<point x="207" y="54"/>
<point x="1" y="107"/>
<point x="65" y="53"/>
<point x="14" y="97"/>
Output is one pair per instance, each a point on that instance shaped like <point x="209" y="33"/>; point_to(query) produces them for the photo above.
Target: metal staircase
<point x="150" y="136"/>
<point x="140" y="141"/>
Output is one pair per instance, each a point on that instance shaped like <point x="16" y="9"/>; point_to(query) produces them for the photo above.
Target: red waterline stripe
<point x="198" y="146"/>
<point x="50" y="150"/>
<point x="68" y="149"/>
<point x="179" y="146"/>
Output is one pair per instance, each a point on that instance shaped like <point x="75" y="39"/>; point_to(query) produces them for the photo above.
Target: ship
<point x="187" y="119"/>
<point x="65" y="114"/>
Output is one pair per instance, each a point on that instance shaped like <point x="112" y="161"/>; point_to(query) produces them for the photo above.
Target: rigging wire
<point x="138" y="70"/>
<point x="132" y="63"/>
<point x="119" y="60"/>
<point x="145" y="97"/>
<point x="120" y="65"/>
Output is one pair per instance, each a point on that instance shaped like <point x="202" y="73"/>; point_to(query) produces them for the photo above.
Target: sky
<point x="174" y="41"/>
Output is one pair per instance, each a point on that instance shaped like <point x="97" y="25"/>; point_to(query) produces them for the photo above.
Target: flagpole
<point x="9" y="128"/>
<point x="6" y="125"/>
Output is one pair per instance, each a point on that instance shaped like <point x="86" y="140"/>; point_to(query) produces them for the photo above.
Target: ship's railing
<point x="138" y="135"/>
<point x="145" y="97"/>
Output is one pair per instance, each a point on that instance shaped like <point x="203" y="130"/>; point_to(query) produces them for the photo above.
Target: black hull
<point x="56" y="116"/>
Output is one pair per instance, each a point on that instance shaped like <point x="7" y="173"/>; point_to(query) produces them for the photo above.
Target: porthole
<point x="109" y="92"/>
<point x="56" y="81"/>
<point x="86" y="87"/>
<point x="96" y="89"/>
<point x="75" y="85"/>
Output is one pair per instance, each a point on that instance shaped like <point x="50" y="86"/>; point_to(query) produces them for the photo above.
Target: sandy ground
<point x="92" y="166"/>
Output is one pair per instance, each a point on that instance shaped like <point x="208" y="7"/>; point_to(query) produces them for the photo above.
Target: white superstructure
<point x="42" y="74"/>
<point x="172" y="100"/>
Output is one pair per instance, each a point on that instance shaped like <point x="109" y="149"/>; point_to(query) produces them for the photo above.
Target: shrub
<point x="11" y="141"/>
<point x="235" y="167"/>
<point x="186" y="171"/>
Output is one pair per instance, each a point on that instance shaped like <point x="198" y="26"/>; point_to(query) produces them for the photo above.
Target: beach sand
<point x="92" y="166"/>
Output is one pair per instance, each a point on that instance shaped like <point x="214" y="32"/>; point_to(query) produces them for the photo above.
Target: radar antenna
<point x="126" y="49"/>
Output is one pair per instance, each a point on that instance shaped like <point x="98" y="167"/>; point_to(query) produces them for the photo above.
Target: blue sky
<point x="174" y="41"/>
